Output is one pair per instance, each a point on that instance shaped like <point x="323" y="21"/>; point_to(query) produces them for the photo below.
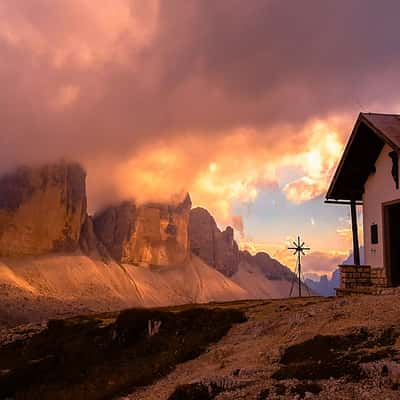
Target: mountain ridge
<point x="126" y="255"/>
<point x="219" y="249"/>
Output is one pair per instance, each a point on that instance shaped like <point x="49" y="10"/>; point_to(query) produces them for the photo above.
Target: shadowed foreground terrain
<point x="313" y="348"/>
<point x="98" y="356"/>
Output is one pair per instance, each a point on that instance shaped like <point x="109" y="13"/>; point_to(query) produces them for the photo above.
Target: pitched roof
<point x="388" y="126"/>
<point x="370" y="133"/>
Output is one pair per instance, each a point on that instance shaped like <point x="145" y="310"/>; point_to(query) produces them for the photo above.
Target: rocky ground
<point x="313" y="348"/>
<point x="93" y="357"/>
<point x="334" y="348"/>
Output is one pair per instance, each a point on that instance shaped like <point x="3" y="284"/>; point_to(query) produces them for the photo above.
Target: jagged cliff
<point x="270" y="268"/>
<point x="42" y="209"/>
<point x="55" y="258"/>
<point x="151" y="234"/>
<point x="219" y="249"/>
<point x="215" y="247"/>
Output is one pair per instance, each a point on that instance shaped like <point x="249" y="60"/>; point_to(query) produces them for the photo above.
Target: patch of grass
<point x="302" y="388"/>
<point x="280" y="389"/>
<point x="86" y="358"/>
<point x="335" y="356"/>
<point x="263" y="394"/>
<point x="194" y="391"/>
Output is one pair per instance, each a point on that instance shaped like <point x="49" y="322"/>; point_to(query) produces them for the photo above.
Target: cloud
<point x="323" y="262"/>
<point x="344" y="229"/>
<point x="237" y="223"/>
<point x="233" y="167"/>
<point x="317" y="163"/>
<point x="315" y="262"/>
<point x="67" y="95"/>
<point x="157" y="97"/>
<point x="252" y="246"/>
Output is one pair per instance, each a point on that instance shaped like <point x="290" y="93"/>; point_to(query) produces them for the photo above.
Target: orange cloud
<point x="77" y="31"/>
<point x="237" y="223"/>
<point x="316" y="161"/>
<point x="216" y="173"/>
<point x="156" y="98"/>
<point x="254" y="247"/>
<point x="66" y="96"/>
<point x="233" y="167"/>
<point x="344" y="230"/>
<point x="317" y="262"/>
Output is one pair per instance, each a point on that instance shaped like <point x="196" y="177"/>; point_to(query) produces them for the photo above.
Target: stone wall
<point x="379" y="278"/>
<point x="355" y="276"/>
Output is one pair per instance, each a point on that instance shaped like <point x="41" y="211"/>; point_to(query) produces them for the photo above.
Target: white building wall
<point x="379" y="188"/>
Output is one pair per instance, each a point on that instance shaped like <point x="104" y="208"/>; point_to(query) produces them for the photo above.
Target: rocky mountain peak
<point x="220" y="250"/>
<point x="217" y="248"/>
<point x="149" y="234"/>
<point x="42" y="209"/>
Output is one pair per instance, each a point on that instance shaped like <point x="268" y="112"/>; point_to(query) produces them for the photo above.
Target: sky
<point x="245" y="104"/>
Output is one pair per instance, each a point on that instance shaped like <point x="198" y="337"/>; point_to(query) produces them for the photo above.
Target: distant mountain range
<point x="325" y="286"/>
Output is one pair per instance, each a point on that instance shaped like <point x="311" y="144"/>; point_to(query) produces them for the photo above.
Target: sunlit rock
<point x="42" y="209"/>
<point x="151" y="234"/>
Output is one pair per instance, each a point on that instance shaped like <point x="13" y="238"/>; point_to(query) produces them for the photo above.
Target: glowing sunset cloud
<point x="317" y="162"/>
<point x="245" y="165"/>
<point x="226" y="99"/>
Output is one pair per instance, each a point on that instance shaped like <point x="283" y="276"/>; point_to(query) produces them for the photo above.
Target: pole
<point x="299" y="249"/>
<point x="299" y="265"/>
<point x="356" y="249"/>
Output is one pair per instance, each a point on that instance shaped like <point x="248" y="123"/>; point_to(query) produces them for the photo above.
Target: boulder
<point x="42" y="209"/>
<point x="150" y="234"/>
<point x="215" y="247"/>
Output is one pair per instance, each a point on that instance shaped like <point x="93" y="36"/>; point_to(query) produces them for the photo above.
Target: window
<point x="374" y="234"/>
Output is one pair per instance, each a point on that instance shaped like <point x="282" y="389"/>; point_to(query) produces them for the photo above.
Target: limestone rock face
<point x="42" y="209"/>
<point x="215" y="247"/>
<point x="219" y="249"/>
<point x="114" y="227"/>
<point x="151" y="234"/>
<point x="89" y="243"/>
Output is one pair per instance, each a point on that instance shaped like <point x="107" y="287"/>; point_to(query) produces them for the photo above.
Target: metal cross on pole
<point x="299" y="249"/>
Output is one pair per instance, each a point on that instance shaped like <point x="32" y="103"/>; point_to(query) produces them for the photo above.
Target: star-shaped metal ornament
<point x="299" y="249"/>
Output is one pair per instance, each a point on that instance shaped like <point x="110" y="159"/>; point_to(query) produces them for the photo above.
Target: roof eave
<point x="341" y="162"/>
<point x="361" y="118"/>
<point x="379" y="132"/>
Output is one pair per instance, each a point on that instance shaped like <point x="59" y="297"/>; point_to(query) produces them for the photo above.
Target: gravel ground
<point x="242" y="364"/>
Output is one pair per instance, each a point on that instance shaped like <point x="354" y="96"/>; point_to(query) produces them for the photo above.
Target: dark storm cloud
<point x="99" y="81"/>
<point x="281" y="60"/>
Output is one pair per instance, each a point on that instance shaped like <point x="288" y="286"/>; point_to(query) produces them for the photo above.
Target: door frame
<point x="386" y="239"/>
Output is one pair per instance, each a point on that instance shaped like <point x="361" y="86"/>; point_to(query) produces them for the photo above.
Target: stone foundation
<point x="355" y="276"/>
<point x="379" y="278"/>
<point x="361" y="279"/>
